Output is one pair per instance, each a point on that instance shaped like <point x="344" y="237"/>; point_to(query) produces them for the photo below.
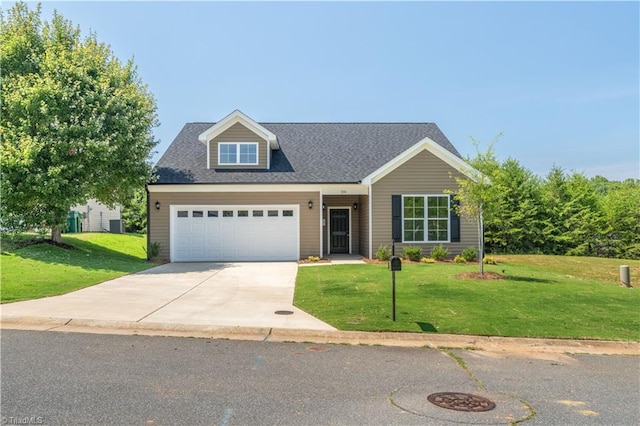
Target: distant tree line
<point x="563" y="213"/>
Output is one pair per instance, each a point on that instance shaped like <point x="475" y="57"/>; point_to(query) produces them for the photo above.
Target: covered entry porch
<point x="345" y="223"/>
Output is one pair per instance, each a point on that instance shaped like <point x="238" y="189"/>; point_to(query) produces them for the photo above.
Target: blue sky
<point x="560" y="80"/>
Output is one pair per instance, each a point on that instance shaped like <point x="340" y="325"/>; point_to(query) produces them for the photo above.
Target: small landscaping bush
<point x="427" y="260"/>
<point x="413" y="253"/>
<point x="439" y="253"/>
<point x="459" y="259"/>
<point x="313" y="259"/>
<point x="469" y="254"/>
<point x="489" y="261"/>
<point x="154" y="250"/>
<point x="383" y="253"/>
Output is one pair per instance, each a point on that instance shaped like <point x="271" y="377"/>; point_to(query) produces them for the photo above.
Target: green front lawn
<point x="542" y="296"/>
<point x="42" y="270"/>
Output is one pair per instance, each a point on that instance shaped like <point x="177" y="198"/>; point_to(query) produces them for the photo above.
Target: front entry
<point x="339" y="231"/>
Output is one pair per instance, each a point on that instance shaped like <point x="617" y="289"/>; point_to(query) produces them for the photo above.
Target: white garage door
<point x="234" y="233"/>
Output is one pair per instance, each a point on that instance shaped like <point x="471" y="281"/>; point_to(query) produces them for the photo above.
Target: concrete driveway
<point x="213" y="294"/>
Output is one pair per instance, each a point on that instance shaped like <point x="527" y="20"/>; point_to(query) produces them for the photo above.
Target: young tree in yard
<point x="476" y="194"/>
<point x="76" y="123"/>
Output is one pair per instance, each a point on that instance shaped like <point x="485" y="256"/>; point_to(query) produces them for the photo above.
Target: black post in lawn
<point x="395" y="264"/>
<point x="393" y="295"/>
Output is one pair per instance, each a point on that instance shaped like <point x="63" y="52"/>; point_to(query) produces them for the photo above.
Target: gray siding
<point x="423" y="174"/>
<point x="309" y="218"/>
<point x="239" y="133"/>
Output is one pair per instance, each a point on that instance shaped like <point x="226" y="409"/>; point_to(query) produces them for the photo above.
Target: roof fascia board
<point x="424" y="144"/>
<point x="330" y="189"/>
<point x="238" y="116"/>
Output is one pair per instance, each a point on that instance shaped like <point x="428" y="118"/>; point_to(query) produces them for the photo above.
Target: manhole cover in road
<point x="461" y="401"/>
<point x="283" y="312"/>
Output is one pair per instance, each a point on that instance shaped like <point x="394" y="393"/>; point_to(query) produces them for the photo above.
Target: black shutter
<point x="455" y="220"/>
<point x="396" y="218"/>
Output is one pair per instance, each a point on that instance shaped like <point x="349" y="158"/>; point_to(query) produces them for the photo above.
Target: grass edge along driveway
<point x="542" y="296"/>
<point x="43" y="270"/>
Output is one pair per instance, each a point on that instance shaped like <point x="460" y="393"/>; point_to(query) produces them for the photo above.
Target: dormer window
<point x="238" y="153"/>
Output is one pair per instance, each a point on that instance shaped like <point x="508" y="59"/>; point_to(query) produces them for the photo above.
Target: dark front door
<point x="339" y="230"/>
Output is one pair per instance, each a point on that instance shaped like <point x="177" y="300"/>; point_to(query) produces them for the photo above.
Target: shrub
<point x="413" y="253"/>
<point x="154" y="250"/>
<point x="313" y="259"/>
<point x="459" y="259"/>
<point x="489" y="261"/>
<point x="469" y="254"/>
<point x="439" y="253"/>
<point x="427" y="260"/>
<point x="383" y="253"/>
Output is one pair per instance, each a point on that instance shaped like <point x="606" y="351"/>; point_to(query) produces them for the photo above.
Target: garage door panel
<point x="234" y="233"/>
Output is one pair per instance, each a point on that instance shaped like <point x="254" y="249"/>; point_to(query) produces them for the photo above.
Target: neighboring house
<point x="238" y="190"/>
<point x="96" y="216"/>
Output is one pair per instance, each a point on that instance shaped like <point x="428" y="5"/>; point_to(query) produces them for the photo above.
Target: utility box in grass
<point x="74" y="222"/>
<point x="116" y="226"/>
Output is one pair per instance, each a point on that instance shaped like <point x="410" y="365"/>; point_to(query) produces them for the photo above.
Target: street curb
<point x="442" y="341"/>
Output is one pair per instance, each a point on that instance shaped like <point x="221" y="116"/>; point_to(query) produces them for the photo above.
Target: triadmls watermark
<point x="22" y="420"/>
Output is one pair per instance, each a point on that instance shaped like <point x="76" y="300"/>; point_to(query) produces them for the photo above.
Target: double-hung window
<point x="238" y="153"/>
<point x="425" y="218"/>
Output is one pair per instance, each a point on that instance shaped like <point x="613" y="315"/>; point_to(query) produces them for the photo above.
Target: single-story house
<point x="238" y="190"/>
<point x="96" y="216"/>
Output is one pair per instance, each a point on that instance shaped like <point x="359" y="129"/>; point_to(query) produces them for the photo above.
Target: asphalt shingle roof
<point x="309" y="153"/>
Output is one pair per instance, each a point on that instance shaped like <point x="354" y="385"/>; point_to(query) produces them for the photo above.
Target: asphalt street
<point x="57" y="378"/>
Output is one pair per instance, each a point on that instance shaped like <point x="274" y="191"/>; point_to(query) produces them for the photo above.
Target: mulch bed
<point x="486" y="276"/>
<point x="303" y="261"/>
<point x="18" y="244"/>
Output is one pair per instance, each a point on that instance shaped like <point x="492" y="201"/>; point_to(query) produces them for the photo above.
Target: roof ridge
<point x="346" y="122"/>
<point x="326" y="122"/>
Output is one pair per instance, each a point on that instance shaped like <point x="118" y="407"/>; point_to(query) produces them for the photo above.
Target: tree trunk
<point x="56" y="235"/>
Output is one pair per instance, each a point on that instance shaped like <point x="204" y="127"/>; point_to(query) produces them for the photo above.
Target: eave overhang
<point x="425" y="144"/>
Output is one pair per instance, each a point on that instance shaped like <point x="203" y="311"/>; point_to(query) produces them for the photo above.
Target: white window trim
<point x="238" y="144"/>
<point x="426" y="230"/>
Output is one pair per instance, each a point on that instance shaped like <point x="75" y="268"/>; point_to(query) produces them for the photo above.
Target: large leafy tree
<point x="515" y="225"/>
<point x="76" y="122"/>
<point x="621" y="209"/>
<point x="134" y="212"/>
<point x="574" y="223"/>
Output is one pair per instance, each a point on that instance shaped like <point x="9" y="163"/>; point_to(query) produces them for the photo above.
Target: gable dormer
<point x="238" y="142"/>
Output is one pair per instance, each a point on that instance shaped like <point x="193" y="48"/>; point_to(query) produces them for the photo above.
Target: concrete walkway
<point x="207" y="294"/>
